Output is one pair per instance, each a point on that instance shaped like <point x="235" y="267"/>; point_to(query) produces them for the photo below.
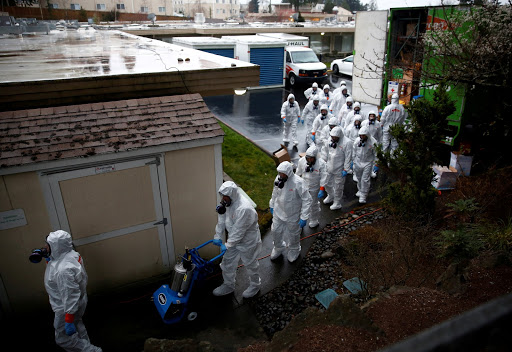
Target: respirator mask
<point x="333" y="143"/>
<point x="357" y="125"/>
<point x="280" y="182"/>
<point x="221" y="209"/>
<point x="357" y="111"/>
<point x="371" y="121"/>
<point x="324" y="115"/>
<point x="310" y="166"/>
<point x="362" y="142"/>
<point x="38" y="254"/>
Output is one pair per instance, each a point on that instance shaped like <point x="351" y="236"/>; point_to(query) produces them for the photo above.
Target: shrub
<point x="460" y="244"/>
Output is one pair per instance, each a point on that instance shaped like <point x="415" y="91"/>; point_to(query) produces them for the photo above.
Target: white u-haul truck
<point x="301" y="63"/>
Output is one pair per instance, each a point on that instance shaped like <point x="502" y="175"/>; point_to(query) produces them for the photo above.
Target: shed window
<point x="75" y="6"/>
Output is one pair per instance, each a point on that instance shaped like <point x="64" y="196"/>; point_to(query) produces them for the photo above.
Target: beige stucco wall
<point x="192" y="197"/>
<point x="23" y="280"/>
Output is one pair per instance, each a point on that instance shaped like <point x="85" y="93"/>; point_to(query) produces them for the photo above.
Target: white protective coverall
<point x="319" y="123"/>
<point x="313" y="176"/>
<point x="364" y="157"/>
<point x="326" y="139"/>
<point x="349" y="119"/>
<point x="65" y="280"/>
<point x="311" y="91"/>
<point x="351" y="133"/>
<point x="394" y="113"/>
<point x="290" y="204"/>
<point x="340" y="98"/>
<point x="374" y="127"/>
<point x="335" y="166"/>
<point x="244" y="238"/>
<point x="326" y="95"/>
<point x="311" y="110"/>
<point x="290" y="112"/>
<point x="345" y="109"/>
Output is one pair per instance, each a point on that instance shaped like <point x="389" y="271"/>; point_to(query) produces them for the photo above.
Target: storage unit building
<point x="266" y="52"/>
<point x="291" y="39"/>
<point x="223" y="47"/>
<point x="133" y="181"/>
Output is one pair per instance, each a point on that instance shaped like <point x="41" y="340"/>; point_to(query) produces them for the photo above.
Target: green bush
<point x="499" y="237"/>
<point x="460" y="244"/>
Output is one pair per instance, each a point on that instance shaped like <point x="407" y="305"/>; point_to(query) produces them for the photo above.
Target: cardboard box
<point x="281" y="155"/>
<point x="462" y="163"/>
<point x="445" y="177"/>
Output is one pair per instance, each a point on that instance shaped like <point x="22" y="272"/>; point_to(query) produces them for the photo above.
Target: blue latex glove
<point x="284" y="120"/>
<point x="217" y="242"/>
<point x="302" y="223"/>
<point x="351" y="165"/>
<point x="70" y="328"/>
<point x="272" y="211"/>
<point x="344" y="173"/>
<point x="302" y="121"/>
<point x="375" y="168"/>
<point x="313" y="137"/>
<point x="298" y="119"/>
<point x="223" y="247"/>
<point x="321" y="193"/>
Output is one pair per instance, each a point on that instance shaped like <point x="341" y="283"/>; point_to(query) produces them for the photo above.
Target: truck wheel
<point x="336" y="70"/>
<point x="292" y="79"/>
<point x="192" y="316"/>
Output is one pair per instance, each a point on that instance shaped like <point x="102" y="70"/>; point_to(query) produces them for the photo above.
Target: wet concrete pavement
<point x="123" y="320"/>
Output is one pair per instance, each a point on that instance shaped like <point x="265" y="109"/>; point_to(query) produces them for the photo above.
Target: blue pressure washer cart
<point x="172" y="302"/>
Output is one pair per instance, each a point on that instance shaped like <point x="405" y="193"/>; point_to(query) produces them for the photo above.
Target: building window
<point x="161" y="9"/>
<point x="75" y="7"/>
<point x="54" y="6"/>
<point x="223" y="11"/>
<point x="217" y="10"/>
<point x="100" y="7"/>
<point x="120" y="6"/>
<point x="144" y="9"/>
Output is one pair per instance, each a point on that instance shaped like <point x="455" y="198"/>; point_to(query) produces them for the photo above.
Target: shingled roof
<point x="36" y="135"/>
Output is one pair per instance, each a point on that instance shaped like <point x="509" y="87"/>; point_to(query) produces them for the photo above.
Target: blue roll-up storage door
<point x="271" y="65"/>
<point x="222" y="52"/>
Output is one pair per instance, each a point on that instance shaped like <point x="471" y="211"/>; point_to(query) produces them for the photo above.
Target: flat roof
<point x="92" y="53"/>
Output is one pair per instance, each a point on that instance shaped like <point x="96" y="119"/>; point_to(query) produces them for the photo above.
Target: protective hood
<point x="358" y="118"/>
<point x="60" y="243"/>
<point x="286" y="168"/>
<point x="343" y="83"/>
<point x="312" y="151"/>
<point x="356" y="104"/>
<point x="342" y="87"/>
<point x="327" y="87"/>
<point x="333" y="121"/>
<point x="364" y="130"/>
<point x="324" y="107"/>
<point x="372" y="112"/>
<point x="291" y="96"/>
<point x="350" y="99"/>
<point x="336" y="132"/>
<point x="315" y="85"/>
<point x="316" y="97"/>
<point x="230" y="189"/>
<point x="394" y="99"/>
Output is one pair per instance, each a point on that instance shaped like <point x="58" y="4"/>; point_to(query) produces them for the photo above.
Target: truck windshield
<point x="301" y="57"/>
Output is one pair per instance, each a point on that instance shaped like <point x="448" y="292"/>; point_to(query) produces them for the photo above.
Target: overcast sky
<point x="386" y="4"/>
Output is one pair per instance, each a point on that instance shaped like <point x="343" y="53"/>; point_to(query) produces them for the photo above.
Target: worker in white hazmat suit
<point x="290" y="114"/>
<point x="326" y="138"/>
<point x="356" y="111"/>
<point x="340" y="98"/>
<point x="65" y="280"/>
<point x="340" y="88"/>
<point x="364" y="158"/>
<point x="326" y="95"/>
<point x="351" y="133"/>
<point x="319" y="123"/>
<point x="345" y="110"/>
<point x="310" y="112"/>
<point x="238" y="217"/>
<point x="312" y="170"/>
<point x="289" y="205"/>
<point x="311" y="91"/>
<point x="375" y="130"/>
<point x="393" y="114"/>
<point x="336" y="172"/>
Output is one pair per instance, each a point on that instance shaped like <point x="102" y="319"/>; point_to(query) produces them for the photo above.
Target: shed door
<point x="115" y="215"/>
<point x="271" y="62"/>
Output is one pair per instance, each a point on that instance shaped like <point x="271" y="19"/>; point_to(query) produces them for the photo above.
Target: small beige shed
<point x="134" y="182"/>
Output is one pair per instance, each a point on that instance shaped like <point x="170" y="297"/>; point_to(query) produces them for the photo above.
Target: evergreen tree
<point x="253" y="6"/>
<point x="329" y="5"/>
<point x="419" y="148"/>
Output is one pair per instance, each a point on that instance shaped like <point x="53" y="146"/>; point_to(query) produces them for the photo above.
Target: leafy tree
<point x="329" y="5"/>
<point x="372" y="5"/>
<point x="419" y="147"/>
<point x="253" y="6"/>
